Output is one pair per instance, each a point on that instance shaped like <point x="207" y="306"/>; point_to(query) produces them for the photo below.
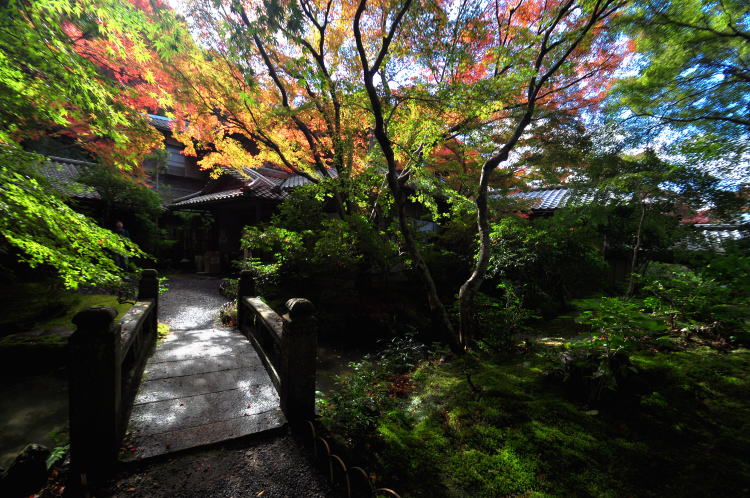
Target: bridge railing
<point x="105" y="363"/>
<point x="286" y="344"/>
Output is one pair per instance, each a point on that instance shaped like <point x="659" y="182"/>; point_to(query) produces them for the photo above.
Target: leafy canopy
<point x="693" y="72"/>
<point x="46" y="231"/>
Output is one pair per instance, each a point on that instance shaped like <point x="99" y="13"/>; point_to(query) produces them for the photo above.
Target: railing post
<point x="148" y="288"/>
<point x="299" y="346"/>
<point x="245" y="288"/>
<point x="94" y="391"/>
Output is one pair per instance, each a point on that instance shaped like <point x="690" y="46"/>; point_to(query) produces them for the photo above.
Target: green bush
<point x="693" y="301"/>
<point x="549" y="263"/>
<point x="358" y="399"/>
<point x="229" y="287"/>
<point x="501" y="321"/>
<point x="600" y="366"/>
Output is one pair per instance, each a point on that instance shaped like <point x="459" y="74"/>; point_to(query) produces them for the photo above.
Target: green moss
<point x="82" y="302"/>
<point x="517" y="433"/>
<point x="492" y="474"/>
<point x="23" y="340"/>
<point x="29" y="306"/>
<point x="21" y="353"/>
<point x="25" y="304"/>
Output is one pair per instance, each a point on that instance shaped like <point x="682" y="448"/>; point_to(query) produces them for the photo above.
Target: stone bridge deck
<point x="202" y="385"/>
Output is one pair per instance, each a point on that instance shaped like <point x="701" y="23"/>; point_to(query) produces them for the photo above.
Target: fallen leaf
<point x="261" y="493"/>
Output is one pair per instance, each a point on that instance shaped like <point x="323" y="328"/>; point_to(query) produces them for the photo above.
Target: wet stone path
<point x="203" y="384"/>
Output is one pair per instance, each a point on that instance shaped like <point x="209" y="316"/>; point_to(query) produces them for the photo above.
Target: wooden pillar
<point x="299" y="347"/>
<point x="94" y="393"/>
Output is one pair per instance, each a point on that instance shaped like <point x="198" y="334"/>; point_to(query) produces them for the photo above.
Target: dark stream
<point x="31" y="411"/>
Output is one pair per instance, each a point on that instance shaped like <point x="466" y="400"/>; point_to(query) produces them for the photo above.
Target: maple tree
<point x="480" y="69"/>
<point x="284" y="83"/>
<point x="276" y="88"/>
<point x="74" y="69"/>
<point x="48" y="85"/>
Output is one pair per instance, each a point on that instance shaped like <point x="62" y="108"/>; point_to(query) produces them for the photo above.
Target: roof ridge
<point x="70" y="161"/>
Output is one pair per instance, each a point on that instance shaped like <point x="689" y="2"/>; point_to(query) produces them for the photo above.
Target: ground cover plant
<point x="483" y="427"/>
<point x="37" y="323"/>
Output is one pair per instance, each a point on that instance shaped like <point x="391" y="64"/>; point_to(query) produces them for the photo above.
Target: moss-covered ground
<point x="507" y="428"/>
<point x="29" y="306"/>
<point x="37" y="326"/>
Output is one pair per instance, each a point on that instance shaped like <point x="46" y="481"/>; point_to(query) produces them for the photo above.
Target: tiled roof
<point x="265" y="192"/>
<point x="713" y="236"/>
<point x="552" y="198"/>
<point x="260" y="183"/>
<point x="295" y="181"/>
<point x="546" y="199"/>
<point x="257" y="191"/>
<point x="216" y="196"/>
<point x="162" y="123"/>
<point x="63" y="173"/>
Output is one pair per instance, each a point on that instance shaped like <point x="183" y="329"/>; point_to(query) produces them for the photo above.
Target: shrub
<point x="543" y="259"/>
<point x="501" y="320"/>
<point x="229" y="287"/>
<point x="680" y="294"/>
<point x="355" y="404"/>
<point x="228" y="314"/>
<point x="601" y="365"/>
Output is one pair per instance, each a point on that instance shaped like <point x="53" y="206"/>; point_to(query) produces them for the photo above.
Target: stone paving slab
<point x="201" y="387"/>
<point x="196" y="384"/>
<point x="178" y="368"/>
<point x="190" y="303"/>
<point x="212" y="342"/>
<point x="201" y="435"/>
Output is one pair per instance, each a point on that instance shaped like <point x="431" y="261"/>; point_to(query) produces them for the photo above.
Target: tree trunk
<point x="469" y="289"/>
<point x="439" y="313"/>
<point x="440" y="316"/>
<point x="636" y="248"/>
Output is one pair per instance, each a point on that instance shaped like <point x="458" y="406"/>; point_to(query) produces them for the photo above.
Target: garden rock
<point x="27" y="474"/>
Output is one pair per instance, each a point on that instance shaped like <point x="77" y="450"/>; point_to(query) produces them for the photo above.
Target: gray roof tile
<point x="64" y="173"/>
<point x="546" y="199"/>
<point x="162" y="123"/>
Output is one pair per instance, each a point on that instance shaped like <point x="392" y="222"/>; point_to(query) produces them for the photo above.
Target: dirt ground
<point x="270" y="465"/>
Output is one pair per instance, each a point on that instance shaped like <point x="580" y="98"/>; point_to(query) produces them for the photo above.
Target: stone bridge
<point x="203" y="383"/>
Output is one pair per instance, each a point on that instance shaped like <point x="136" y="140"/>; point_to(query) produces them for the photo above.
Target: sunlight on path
<point x="203" y="384"/>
